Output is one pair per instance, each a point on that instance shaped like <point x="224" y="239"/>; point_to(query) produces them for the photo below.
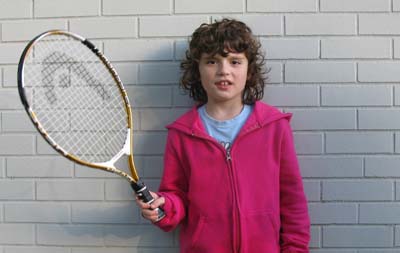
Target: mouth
<point x="223" y="83"/>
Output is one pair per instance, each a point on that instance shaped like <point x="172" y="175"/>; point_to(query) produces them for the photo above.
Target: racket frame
<point x="128" y="147"/>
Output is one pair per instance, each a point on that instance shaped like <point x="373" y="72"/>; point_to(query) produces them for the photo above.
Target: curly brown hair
<point x="222" y="37"/>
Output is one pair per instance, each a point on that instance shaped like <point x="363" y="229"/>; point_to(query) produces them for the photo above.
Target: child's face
<point x="224" y="78"/>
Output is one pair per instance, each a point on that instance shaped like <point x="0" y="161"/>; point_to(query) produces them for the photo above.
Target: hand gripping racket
<point x="77" y="102"/>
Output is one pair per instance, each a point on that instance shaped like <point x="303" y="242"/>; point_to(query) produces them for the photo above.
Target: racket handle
<point x="144" y="194"/>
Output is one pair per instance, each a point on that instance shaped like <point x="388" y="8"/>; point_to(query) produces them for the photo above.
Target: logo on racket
<point x="57" y="61"/>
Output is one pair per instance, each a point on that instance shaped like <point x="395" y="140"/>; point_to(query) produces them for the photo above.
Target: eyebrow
<point x="236" y="57"/>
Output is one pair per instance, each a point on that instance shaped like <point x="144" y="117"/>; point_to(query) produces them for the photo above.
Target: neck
<point x="224" y="111"/>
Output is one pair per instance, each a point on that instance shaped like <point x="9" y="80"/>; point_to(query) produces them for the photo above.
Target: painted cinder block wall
<point x="333" y="63"/>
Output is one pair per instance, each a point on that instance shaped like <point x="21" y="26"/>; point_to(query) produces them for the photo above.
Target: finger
<point x="157" y="203"/>
<point x="151" y="215"/>
<point x="141" y="204"/>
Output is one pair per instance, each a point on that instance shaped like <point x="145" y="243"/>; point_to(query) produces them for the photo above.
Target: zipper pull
<point x="228" y="154"/>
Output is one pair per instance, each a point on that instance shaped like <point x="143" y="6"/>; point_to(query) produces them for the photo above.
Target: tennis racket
<point x="77" y="102"/>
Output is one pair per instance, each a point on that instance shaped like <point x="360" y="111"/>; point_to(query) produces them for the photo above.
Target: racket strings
<point x="76" y="99"/>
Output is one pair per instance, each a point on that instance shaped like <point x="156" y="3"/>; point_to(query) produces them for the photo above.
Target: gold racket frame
<point x="110" y="168"/>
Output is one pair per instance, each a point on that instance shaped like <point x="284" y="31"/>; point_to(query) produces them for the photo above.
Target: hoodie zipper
<point x="236" y="209"/>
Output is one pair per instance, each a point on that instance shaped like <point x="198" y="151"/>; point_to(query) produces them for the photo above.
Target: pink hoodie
<point x="248" y="200"/>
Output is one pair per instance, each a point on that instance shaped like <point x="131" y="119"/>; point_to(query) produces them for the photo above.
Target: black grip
<point x="143" y="193"/>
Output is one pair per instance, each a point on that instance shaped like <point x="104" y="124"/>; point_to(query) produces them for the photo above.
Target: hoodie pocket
<point x="198" y="231"/>
<point x="260" y="232"/>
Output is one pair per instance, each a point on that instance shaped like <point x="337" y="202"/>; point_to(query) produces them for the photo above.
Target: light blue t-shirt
<point x="224" y="131"/>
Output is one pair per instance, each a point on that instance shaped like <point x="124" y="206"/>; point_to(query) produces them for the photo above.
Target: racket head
<point x="76" y="100"/>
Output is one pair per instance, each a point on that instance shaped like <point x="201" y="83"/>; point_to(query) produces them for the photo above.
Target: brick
<point x="308" y="143"/>
<point x="167" y="73"/>
<point x="397" y="234"/>
<point x="327" y="119"/>
<point x="321" y="24"/>
<point x="316" y="235"/>
<point x="291" y="95"/>
<point x="116" y="27"/>
<point x="133" y="7"/>
<point x="128" y="236"/>
<point x="149" y="96"/>
<point x="73" y="235"/>
<point x="331" y="167"/>
<point x="157" y="119"/>
<point x="70" y="190"/>
<point x="325" y="72"/>
<point x="12" y="144"/>
<point x="291" y="48"/>
<point x="351" y="190"/>
<point x="16" y="190"/>
<point x="397" y="140"/>
<point x="37" y="212"/>
<point x="28" y="29"/>
<point x="396" y="48"/>
<point x="9" y="99"/>
<point x="36" y="249"/>
<point x="2" y="169"/>
<point x="39" y="167"/>
<point x="10" y="76"/>
<point x="118" y="190"/>
<point x="312" y="190"/>
<point x="282" y="6"/>
<point x="113" y="213"/>
<point x="396" y="5"/>
<point x="149" y="143"/>
<point x="88" y="172"/>
<point x="397" y="190"/>
<point x="350" y="48"/>
<point x="123" y="250"/>
<point x="396" y="95"/>
<point x="265" y="24"/>
<point x="43" y="148"/>
<point x="18" y="234"/>
<point x="358" y="236"/>
<point x="208" y="6"/>
<point x="180" y="98"/>
<point x="361" y="142"/>
<point x="152" y="167"/>
<point x="379" y="72"/>
<point x="379" y="213"/>
<point x="165" y="26"/>
<point x="382" y="166"/>
<point x="60" y="8"/>
<point x="355" y="5"/>
<point x="357" y="95"/>
<point x="383" y="119"/>
<point x="11" y="52"/>
<point x="15" y="9"/>
<point x="17" y="122"/>
<point x="275" y="71"/>
<point x="128" y="72"/>
<point x="336" y="251"/>
<point x="379" y="24"/>
<point x="333" y="213"/>
<point x="138" y="50"/>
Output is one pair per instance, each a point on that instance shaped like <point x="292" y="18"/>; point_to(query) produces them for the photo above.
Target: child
<point x="231" y="177"/>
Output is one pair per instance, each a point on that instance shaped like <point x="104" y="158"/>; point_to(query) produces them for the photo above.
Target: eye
<point x="236" y="62"/>
<point x="209" y="62"/>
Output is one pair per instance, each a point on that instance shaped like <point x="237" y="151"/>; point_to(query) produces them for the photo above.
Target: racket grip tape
<point x="143" y="193"/>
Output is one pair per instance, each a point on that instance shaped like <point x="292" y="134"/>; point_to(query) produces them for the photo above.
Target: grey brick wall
<point x="334" y="64"/>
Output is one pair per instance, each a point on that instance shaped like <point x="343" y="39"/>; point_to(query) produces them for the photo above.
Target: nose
<point x="223" y="68"/>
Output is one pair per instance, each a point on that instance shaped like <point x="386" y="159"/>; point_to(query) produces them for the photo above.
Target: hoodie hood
<point x="263" y="114"/>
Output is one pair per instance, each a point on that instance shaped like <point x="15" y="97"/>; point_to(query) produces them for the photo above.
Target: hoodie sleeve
<point x="295" y="222"/>
<point x="173" y="186"/>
